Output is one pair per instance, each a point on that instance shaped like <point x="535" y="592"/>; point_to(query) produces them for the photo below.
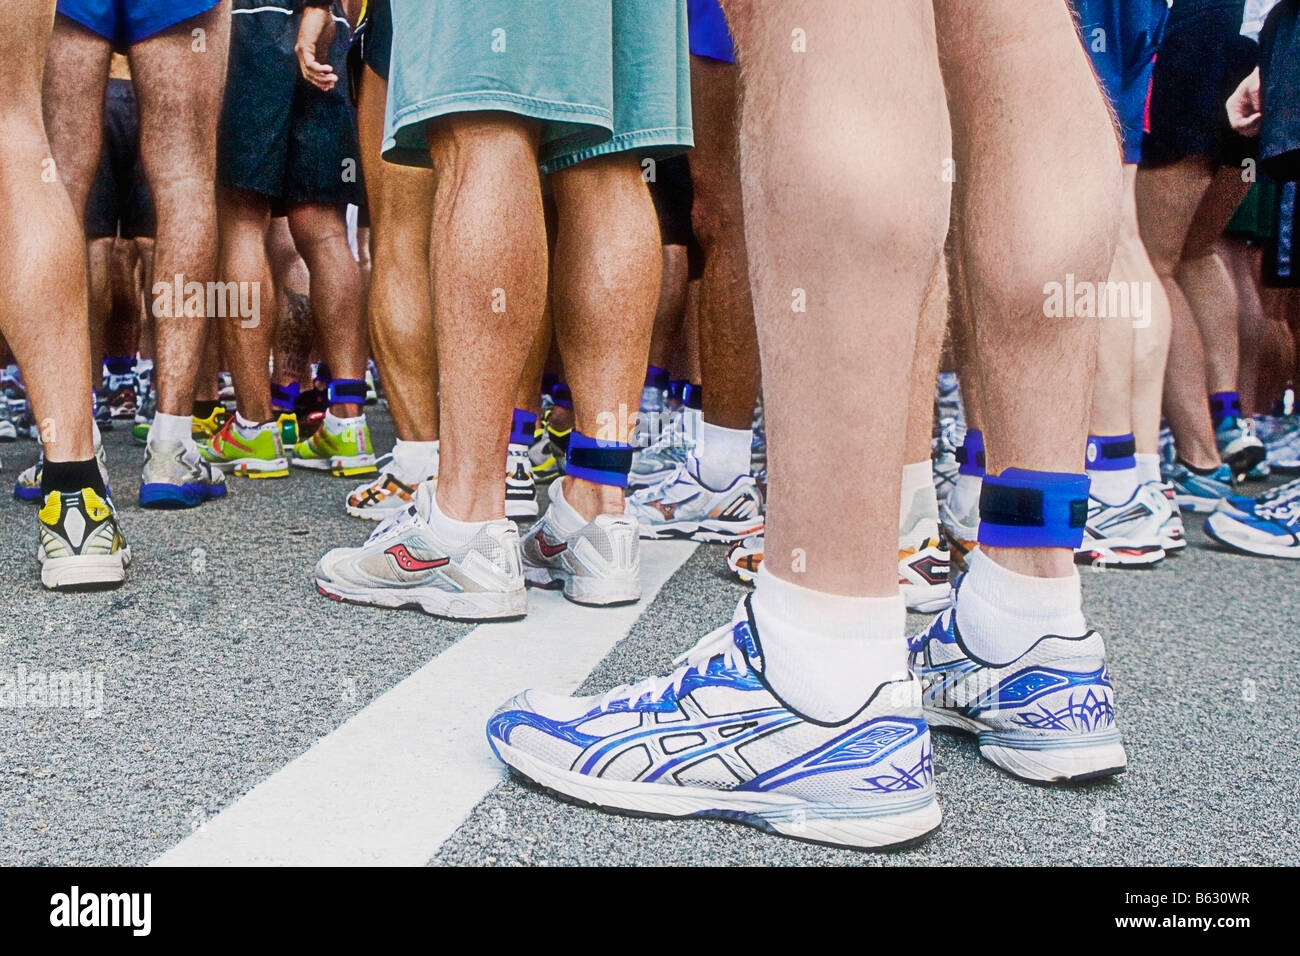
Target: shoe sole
<point x="377" y="514"/>
<point x="1129" y="557"/>
<point x="253" y="467"/>
<point x="708" y="532"/>
<point x="340" y="467"/>
<point x="1084" y="757"/>
<point x="926" y="598"/>
<point x="1196" y="504"/>
<point x="589" y="592"/>
<point x="1244" y="459"/>
<point x="166" y="497"/>
<point x="782" y="815"/>
<point x="498" y="606"/>
<point x="85" y="572"/>
<point x="1228" y="537"/>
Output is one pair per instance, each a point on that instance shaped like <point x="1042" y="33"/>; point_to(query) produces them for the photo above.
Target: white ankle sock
<point x="170" y="428"/>
<point x="918" y="478"/>
<point x="722" y="454"/>
<point x="1001" y="613"/>
<point x="453" y="532"/>
<point x="415" y="461"/>
<point x="691" y="420"/>
<point x="825" y="654"/>
<point x="564" y="515"/>
<point x="964" y="498"/>
<point x="249" y="427"/>
<point x="334" y="424"/>
<point x="1113" y="486"/>
<point x="1148" y="468"/>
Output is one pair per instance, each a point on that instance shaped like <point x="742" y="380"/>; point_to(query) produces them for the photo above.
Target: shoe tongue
<point x="424" y="500"/>
<point x="743" y="633"/>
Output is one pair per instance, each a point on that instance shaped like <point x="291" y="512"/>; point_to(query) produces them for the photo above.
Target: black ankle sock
<point x="205" y="409"/>
<point x="71" y="476"/>
<point x="1198" y="471"/>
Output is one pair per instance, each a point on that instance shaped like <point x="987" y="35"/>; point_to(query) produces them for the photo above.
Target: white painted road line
<point x="392" y="783"/>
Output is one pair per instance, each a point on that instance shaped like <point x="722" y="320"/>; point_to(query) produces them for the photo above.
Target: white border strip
<point x="391" y="784"/>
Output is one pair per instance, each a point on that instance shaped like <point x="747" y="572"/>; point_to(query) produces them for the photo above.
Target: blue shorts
<point x="1122" y="37"/>
<point x="709" y="34"/>
<point x="127" y="22"/>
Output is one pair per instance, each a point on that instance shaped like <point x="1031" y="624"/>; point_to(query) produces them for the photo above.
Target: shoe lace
<point x="719" y="643"/>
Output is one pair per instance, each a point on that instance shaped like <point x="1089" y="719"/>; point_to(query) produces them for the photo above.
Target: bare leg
<point x="866" y="231"/>
<point x="1167" y="201"/>
<point x="607" y="252"/>
<point x="180" y="94"/>
<point x="122" y="333"/>
<point x="1011" y="245"/>
<point x="321" y="235"/>
<point x="1206" y="282"/>
<point x="488" y="246"/>
<point x="76" y="74"/>
<point x="1150" y="338"/>
<point x="144" y="279"/>
<point x="46" y="253"/>
<point x="99" y="256"/>
<point x="400" y="303"/>
<point x="728" y="338"/>
<point x="665" y="340"/>
<point x="1243" y="263"/>
<point x="295" y="328"/>
<point x="925" y="368"/>
<point x="244" y="219"/>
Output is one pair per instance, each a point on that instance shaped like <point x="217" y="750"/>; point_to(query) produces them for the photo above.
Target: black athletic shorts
<point x="372" y="44"/>
<point x="1279" y="74"/>
<point x="1281" y="265"/>
<point x="673" y="196"/>
<point x="1201" y="61"/>
<point x="280" y="136"/>
<point x="119" y="202"/>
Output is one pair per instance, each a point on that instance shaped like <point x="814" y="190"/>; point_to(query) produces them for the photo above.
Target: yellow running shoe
<point x="260" y="455"/>
<point x="340" y="446"/>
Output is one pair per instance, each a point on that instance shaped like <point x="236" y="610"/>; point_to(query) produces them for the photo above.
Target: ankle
<point x="1033" y="562"/>
<point x="589" y="499"/>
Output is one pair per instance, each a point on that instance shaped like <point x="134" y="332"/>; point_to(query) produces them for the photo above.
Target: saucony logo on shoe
<point x="408" y="562"/>
<point x="550" y="548"/>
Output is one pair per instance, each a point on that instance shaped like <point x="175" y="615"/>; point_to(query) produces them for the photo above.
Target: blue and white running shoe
<point x="1048" y="716"/>
<point x="1239" y="446"/>
<point x="1271" y="529"/>
<point x="1199" y="494"/>
<point x="713" y="740"/>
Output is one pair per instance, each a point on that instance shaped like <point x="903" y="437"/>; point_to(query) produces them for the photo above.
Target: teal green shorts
<point x="602" y="76"/>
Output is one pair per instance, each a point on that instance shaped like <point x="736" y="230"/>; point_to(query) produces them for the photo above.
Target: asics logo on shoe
<point x="409" y="562"/>
<point x="550" y="548"/>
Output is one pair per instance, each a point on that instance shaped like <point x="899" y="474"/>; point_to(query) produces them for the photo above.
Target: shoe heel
<point x="1060" y="760"/>
<point x="881" y="831"/>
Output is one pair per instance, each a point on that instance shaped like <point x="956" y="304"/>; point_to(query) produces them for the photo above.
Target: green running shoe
<point x="340" y="446"/>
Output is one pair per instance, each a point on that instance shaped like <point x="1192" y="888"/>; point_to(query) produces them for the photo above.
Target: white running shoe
<point x="923" y="556"/>
<point x="681" y="506"/>
<point x="521" y="488"/>
<point x="1047" y="716"/>
<point x="961" y="530"/>
<point x="599" y="564"/>
<point x="658" y="460"/>
<point x="385" y="496"/>
<point x="712" y="740"/>
<point x="1126" y="535"/>
<point x="1173" y="535"/>
<point x="405" y="564"/>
